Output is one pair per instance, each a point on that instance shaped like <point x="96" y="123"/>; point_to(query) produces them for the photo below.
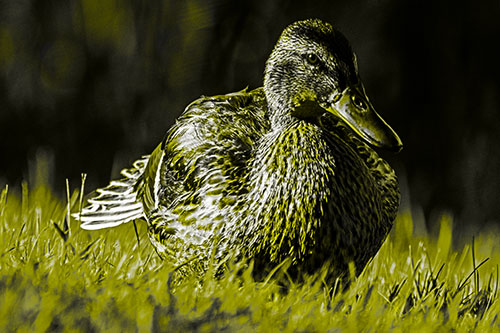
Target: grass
<point x="55" y="276"/>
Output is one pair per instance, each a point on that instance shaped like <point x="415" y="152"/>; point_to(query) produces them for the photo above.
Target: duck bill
<point x="354" y="108"/>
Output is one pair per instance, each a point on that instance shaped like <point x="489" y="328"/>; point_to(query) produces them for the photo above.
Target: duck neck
<point x="290" y="180"/>
<point x="280" y="114"/>
<point x="279" y="91"/>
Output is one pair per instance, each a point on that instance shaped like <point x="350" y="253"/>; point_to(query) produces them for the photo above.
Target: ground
<point x="55" y="276"/>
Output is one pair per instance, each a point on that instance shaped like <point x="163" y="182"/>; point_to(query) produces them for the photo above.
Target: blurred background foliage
<point x="90" y="85"/>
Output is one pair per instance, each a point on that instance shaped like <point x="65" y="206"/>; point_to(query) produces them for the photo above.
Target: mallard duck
<point x="283" y="172"/>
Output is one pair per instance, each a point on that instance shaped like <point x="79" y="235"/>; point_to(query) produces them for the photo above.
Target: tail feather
<point x="116" y="203"/>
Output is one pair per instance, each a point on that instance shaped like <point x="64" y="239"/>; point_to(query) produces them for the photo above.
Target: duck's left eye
<point x="312" y="58"/>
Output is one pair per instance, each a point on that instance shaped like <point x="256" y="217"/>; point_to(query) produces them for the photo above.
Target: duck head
<point x="313" y="70"/>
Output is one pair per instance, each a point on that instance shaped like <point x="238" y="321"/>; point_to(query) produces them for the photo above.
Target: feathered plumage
<point x="283" y="171"/>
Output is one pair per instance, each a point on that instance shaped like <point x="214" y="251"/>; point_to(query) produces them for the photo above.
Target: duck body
<point x="245" y="175"/>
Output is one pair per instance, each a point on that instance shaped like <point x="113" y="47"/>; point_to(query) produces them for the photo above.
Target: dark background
<point x="90" y="85"/>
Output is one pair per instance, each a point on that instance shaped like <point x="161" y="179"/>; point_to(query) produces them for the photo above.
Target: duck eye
<point x="312" y="58"/>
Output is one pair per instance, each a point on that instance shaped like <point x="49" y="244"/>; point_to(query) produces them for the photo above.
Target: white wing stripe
<point x="116" y="203"/>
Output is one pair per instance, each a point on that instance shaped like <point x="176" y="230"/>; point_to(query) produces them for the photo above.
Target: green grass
<point x="55" y="276"/>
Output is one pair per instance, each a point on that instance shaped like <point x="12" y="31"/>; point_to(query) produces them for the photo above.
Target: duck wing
<point x="200" y="168"/>
<point x="116" y="203"/>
